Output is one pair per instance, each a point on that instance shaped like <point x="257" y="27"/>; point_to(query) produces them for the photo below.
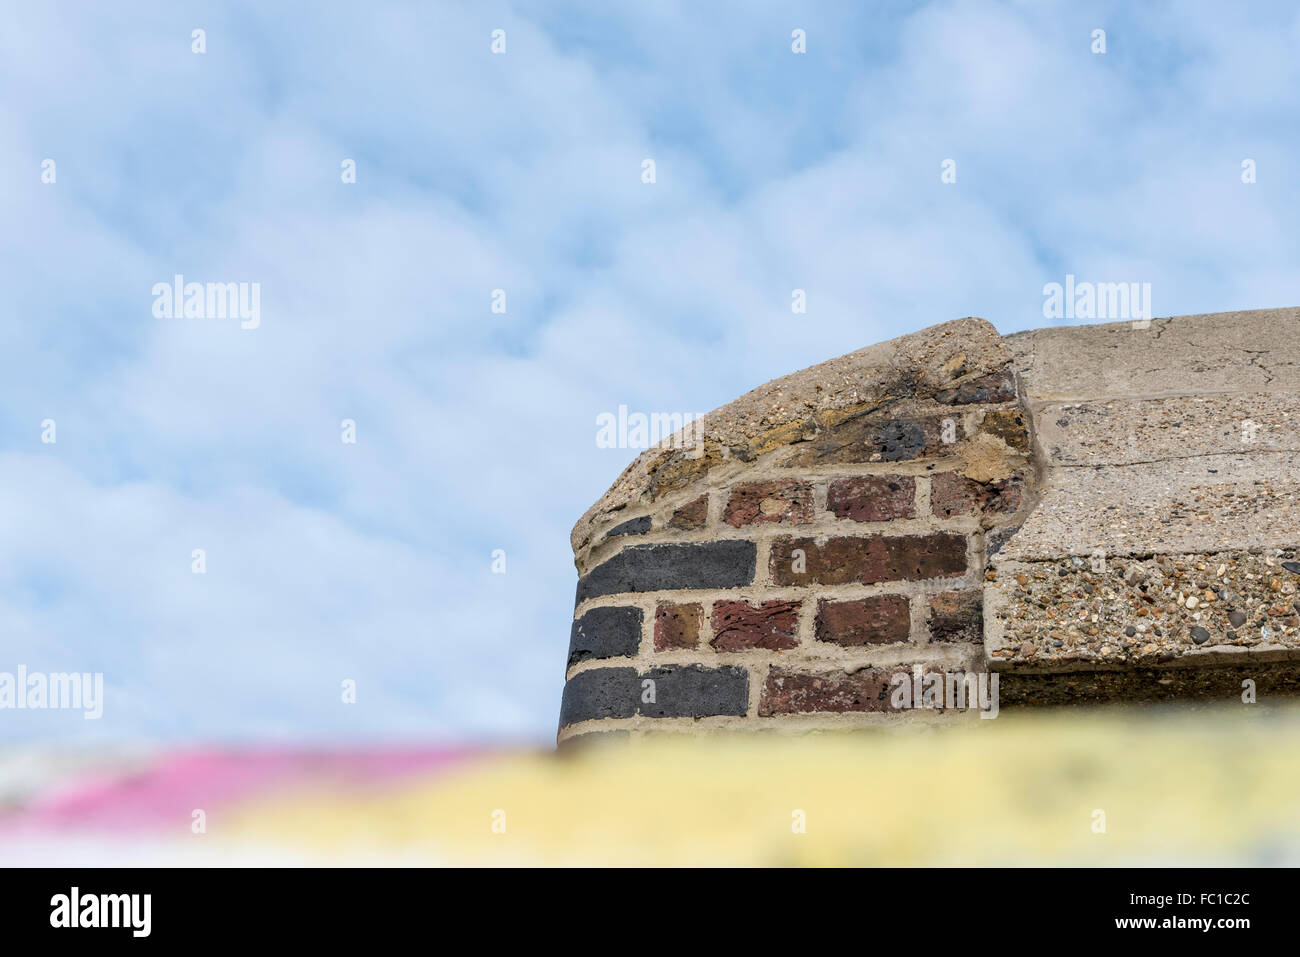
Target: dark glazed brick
<point x="605" y="633"/>
<point x="994" y="387"/>
<point x="873" y="498"/>
<point x="763" y="502"/>
<point x="868" y="560"/>
<point x="739" y="626"/>
<point x="639" y="568"/>
<point x="600" y="693"/>
<point x="680" y="691"/>
<point x="879" y="620"/>
<point x="678" y="626"/>
<point x="953" y="494"/>
<point x="633" y="526"/>
<point x="694" y="691"/>
<point x="957" y="616"/>
<point x="788" y="692"/>
<point x="692" y="515"/>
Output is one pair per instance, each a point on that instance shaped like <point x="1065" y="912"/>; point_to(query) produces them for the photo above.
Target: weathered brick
<point x="600" y="693"/>
<point x="639" y="568"/>
<point x="873" y="498"/>
<point x="677" y="626"/>
<point x="879" y="438"/>
<point x="957" y="616"/>
<point x="788" y="692"/>
<point x="870" y="559"/>
<point x="954" y="494"/>
<point x="877" y="620"/>
<point x="633" y="526"/>
<point x="605" y="633"/>
<point x="692" y="515"/>
<point x="694" y="691"/>
<point x="994" y="387"/>
<point x="739" y="626"/>
<point x="679" y="691"/>
<point x="1009" y="426"/>
<point x="763" y="502"/>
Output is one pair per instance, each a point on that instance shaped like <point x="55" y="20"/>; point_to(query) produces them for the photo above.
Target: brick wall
<point x="783" y="588"/>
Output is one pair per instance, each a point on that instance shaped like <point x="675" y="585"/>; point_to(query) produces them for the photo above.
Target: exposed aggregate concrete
<point x="1144" y="611"/>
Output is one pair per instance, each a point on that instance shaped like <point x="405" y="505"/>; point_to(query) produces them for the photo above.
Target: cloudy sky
<point x="521" y="171"/>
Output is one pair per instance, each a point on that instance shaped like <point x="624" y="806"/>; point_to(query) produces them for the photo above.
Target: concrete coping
<point x="1167" y="518"/>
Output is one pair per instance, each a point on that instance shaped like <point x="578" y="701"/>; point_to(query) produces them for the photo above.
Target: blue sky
<point x="522" y="171"/>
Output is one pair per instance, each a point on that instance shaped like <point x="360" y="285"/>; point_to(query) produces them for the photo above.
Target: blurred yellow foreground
<point x="1210" y="786"/>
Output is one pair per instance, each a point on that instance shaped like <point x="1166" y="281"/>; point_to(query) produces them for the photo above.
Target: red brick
<point x="762" y="502"/>
<point x="870" y="559"/>
<point x="957" y="616"/>
<point x="878" y="620"/>
<point x="738" y="625"/>
<point x="952" y="494"/>
<point x="787" y="692"/>
<point x="873" y="498"/>
<point x="691" y="515"/>
<point x="677" y="626"/>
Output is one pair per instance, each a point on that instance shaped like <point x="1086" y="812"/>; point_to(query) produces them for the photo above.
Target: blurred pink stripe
<point x="164" y="794"/>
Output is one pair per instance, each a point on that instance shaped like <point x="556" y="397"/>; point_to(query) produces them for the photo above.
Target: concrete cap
<point x="1167" y="518"/>
<point x="1251" y="351"/>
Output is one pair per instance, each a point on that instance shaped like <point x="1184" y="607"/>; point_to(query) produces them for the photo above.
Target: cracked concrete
<point x="1183" y="355"/>
<point x="1136" y="431"/>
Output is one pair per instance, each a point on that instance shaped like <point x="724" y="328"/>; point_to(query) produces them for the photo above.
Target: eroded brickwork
<point x="782" y="582"/>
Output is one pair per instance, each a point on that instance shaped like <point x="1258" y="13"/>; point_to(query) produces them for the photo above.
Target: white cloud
<point x="522" y="172"/>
